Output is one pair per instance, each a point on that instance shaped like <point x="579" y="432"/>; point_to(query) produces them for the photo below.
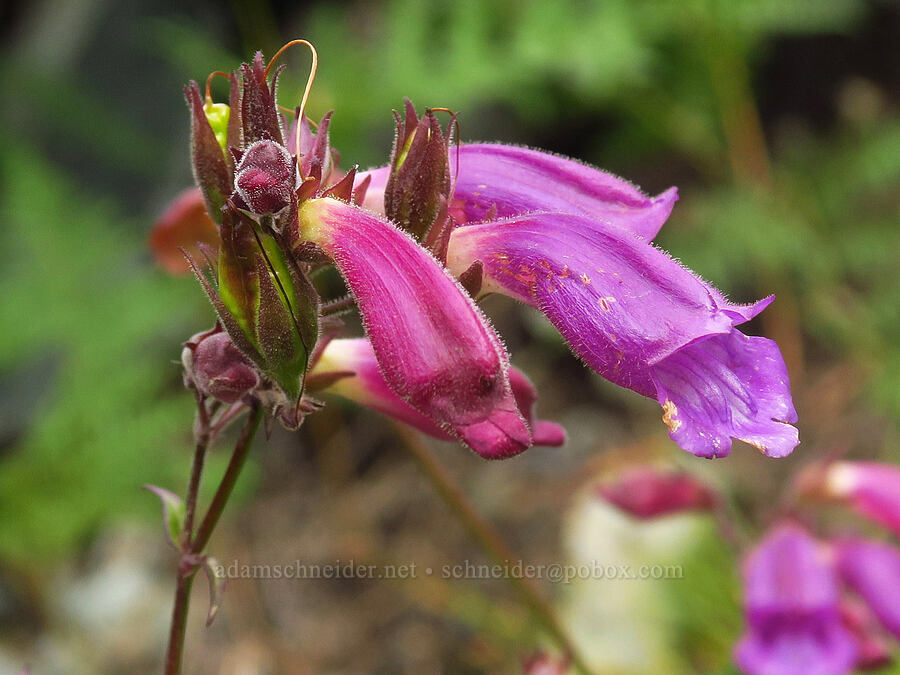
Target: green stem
<point x="204" y="436"/>
<point x="492" y="544"/>
<point x="238" y="457"/>
<point x="179" y="622"/>
<point x="187" y="565"/>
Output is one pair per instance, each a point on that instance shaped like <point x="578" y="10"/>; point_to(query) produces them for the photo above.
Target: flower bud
<point x="218" y="114"/>
<point x="269" y="309"/>
<point x="418" y="189"/>
<point x="266" y="178"/>
<point x="259" y="114"/>
<point x="217" y="368"/>
<point x="646" y="492"/>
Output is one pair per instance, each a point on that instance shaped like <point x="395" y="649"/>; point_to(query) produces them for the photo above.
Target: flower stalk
<point x="492" y="544"/>
<point x="192" y="545"/>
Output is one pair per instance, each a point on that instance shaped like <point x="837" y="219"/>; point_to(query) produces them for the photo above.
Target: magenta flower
<point x="348" y="367"/>
<point x="572" y="241"/>
<point x="435" y="348"/>
<point x="871" y="488"/>
<point x="498" y="181"/>
<point x="791" y="604"/>
<point x="642" y="321"/>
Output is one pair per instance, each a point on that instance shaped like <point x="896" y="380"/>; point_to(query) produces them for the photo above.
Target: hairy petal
<point x="792" y="611"/>
<point x="723" y="387"/>
<point x="500" y="181"/>
<point x="509" y="180"/>
<point x="435" y="348"/>
<point x="359" y="379"/>
<point x="642" y="321"/>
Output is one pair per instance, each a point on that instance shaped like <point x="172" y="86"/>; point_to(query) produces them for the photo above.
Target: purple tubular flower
<point x="500" y="181"/>
<point x="791" y="605"/>
<point x="872" y="569"/>
<point x="352" y="366"/>
<point x="871" y="488"/>
<point x="642" y="321"/>
<point x="435" y="348"/>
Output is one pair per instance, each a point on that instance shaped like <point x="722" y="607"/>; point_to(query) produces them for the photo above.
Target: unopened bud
<point x="646" y="492"/>
<point x="266" y="177"/>
<point x="218" y="368"/>
<point x="419" y="185"/>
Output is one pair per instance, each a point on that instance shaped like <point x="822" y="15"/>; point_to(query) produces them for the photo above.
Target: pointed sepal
<point x="211" y="171"/>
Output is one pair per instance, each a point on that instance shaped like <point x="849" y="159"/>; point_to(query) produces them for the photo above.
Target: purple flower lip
<point x="642" y="321"/>
<point x="435" y="349"/>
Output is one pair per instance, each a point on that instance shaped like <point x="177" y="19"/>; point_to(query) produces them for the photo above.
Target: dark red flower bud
<point x="418" y="188"/>
<point x="646" y="492"/>
<point x="266" y="178"/>
<point x="217" y="368"/>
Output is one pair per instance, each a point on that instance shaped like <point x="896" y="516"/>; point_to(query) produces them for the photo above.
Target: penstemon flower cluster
<point x="418" y="242"/>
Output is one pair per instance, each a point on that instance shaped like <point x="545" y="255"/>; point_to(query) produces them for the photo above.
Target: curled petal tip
<point x="501" y="435"/>
<point x="549" y="434"/>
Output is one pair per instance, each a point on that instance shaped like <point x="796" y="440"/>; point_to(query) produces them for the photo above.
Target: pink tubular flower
<point x="435" y="348"/>
<point x="791" y="604"/>
<point x="871" y="488"/>
<point x="348" y="368"/>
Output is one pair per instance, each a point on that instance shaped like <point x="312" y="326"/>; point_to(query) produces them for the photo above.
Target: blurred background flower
<point x="778" y="122"/>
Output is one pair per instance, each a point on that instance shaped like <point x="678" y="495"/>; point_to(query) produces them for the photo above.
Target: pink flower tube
<point x="364" y="384"/>
<point x="435" y="349"/>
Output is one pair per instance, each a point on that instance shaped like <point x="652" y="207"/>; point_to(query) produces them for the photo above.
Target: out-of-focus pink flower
<point x="183" y="225"/>
<point x="647" y="492"/>
<point x="872" y="569"/>
<point x="791" y="605"/>
<point x="871" y="638"/>
<point x="871" y="488"/>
